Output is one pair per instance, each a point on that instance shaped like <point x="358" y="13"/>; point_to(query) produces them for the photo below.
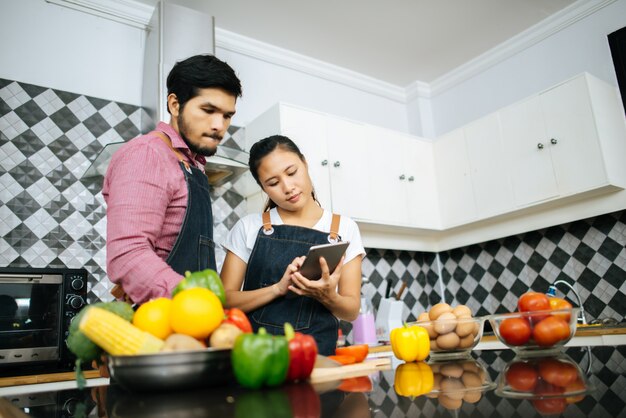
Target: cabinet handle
<point x="553" y="141"/>
<point x="411" y="178"/>
<point x="324" y="163"/>
<point x="540" y="145"/>
<point x="402" y="177"/>
<point x="337" y="164"/>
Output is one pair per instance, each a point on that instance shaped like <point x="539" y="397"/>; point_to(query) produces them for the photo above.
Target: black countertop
<point x="603" y="368"/>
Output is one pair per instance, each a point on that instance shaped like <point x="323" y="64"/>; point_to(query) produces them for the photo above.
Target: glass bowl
<point x="453" y="338"/>
<point x="535" y="332"/>
<point x="543" y="378"/>
<point x="458" y="381"/>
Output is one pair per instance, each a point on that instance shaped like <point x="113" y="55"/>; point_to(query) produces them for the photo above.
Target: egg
<point x="465" y="326"/>
<point x="452" y="370"/>
<point x="471" y="380"/>
<point x="472" y="396"/>
<point x="462" y="311"/>
<point x="438" y="309"/>
<point x="445" y="323"/>
<point x="427" y="325"/>
<point x="449" y="403"/>
<point x="448" y="341"/>
<point x="452" y="387"/>
<point x="466" y="341"/>
<point x="470" y="366"/>
<point x="433" y="345"/>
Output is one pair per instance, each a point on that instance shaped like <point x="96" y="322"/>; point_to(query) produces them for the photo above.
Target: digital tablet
<point x="332" y="253"/>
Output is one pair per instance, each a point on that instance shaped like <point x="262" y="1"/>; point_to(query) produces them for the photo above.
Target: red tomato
<point x="534" y="301"/>
<point x="515" y="331"/>
<point x="521" y="376"/>
<point x="547" y="389"/>
<point x="558" y="303"/>
<point x="550" y="330"/>
<point x="550" y="406"/>
<point x="359" y="352"/>
<point x="576" y="386"/>
<point x="558" y="373"/>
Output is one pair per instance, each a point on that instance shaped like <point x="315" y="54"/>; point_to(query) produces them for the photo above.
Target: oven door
<point x="30" y="317"/>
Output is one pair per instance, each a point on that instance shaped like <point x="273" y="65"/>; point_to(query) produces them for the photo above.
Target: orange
<point x="154" y="317"/>
<point x="196" y="312"/>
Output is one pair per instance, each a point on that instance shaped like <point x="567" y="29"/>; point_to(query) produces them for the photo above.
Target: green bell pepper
<point x="260" y="359"/>
<point x="208" y="279"/>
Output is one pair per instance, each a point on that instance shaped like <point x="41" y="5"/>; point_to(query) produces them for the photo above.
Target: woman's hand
<point x="323" y="289"/>
<point x="282" y="286"/>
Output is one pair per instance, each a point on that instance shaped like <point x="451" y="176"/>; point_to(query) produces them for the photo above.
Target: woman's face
<point x="285" y="179"/>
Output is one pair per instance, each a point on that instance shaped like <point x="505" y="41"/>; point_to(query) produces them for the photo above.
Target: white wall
<point x="580" y="47"/>
<point x="60" y="48"/>
<point x="53" y="46"/>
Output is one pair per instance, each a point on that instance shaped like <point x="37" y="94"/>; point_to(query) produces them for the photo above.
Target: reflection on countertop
<point x="491" y="383"/>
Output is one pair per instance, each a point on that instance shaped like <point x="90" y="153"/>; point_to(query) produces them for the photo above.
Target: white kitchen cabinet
<point x="336" y="151"/>
<point x="491" y="184"/>
<point x="403" y="180"/>
<point x="554" y="140"/>
<point x="454" y="182"/>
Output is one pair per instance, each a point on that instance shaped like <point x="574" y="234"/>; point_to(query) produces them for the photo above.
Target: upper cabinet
<point x="556" y="141"/>
<point x="495" y="175"/>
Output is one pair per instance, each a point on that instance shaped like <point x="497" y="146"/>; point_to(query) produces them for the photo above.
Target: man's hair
<point x="201" y="72"/>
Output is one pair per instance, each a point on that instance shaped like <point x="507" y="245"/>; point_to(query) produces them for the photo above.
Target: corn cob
<point x="117" y="336"/>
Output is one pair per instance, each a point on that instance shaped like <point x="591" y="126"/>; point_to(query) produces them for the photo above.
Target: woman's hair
<point x="188" y="76"/>
<point x="263" y="148"/>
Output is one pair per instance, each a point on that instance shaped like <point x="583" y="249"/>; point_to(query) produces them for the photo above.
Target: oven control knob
<point x="77" y="284"/>
<point x="76" y="302"/>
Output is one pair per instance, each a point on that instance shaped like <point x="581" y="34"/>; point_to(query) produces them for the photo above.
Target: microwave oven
<point x="37" y="306"/>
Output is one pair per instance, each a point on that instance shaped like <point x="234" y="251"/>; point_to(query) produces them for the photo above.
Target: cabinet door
<point x="528" y="156"/>
<point x="308" y="130"/>
<point x="349" y="161"/>
<point x="489" y="172"/>
<point x="421" y="183"/>
<point x="454" y="183"/>
<point x="572" y="137"/>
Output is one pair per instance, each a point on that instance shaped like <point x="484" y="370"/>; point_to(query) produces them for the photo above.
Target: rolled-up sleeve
<point x="138" y="192"/>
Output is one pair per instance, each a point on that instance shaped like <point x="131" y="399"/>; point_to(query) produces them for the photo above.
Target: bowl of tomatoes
<point x="550" y="383"/>
<point x="533" y="332"/>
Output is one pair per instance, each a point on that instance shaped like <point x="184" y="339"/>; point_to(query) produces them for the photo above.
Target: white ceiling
<point x="398" y="41"/>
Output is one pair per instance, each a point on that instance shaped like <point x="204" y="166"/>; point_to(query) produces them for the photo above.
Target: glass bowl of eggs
<point x="453" y="331"/>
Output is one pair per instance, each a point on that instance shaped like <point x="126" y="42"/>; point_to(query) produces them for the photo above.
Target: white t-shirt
<point x="241" y="238"/>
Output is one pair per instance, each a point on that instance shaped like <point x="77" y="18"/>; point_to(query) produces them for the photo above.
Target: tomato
<point x="515" y="331"/>
<point x="576" y="386"/>
<point x="522" y="376"/>
<point x="558" y="303"/>
<point x="544" y="388"/>
<point x="550" y="406"/>
<point x="550" y="331"/>
<point x="533" y="301"/>
<point x="359" y="352"/>
<point x="558" y="373"/>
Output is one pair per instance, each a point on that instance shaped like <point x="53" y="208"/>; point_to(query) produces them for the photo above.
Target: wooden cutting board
<point x="326" y="374"/>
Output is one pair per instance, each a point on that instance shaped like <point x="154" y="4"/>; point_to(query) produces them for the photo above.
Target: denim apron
<point x="194" y="248"/>
<point x="275" y="247"/>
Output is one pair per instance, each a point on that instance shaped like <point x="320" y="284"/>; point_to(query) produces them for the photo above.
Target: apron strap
<point x="179" y="154"/>
<point x="334" y="227"/>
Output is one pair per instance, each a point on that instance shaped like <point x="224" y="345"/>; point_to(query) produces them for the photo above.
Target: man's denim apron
<point x="274" y="249"/>
<point x="194" y="249"/>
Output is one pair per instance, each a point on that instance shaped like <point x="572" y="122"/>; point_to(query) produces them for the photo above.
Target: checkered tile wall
<point x="49" y="216"/>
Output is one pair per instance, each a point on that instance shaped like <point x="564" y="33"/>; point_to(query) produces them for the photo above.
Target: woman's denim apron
<point x="276" y="246"/>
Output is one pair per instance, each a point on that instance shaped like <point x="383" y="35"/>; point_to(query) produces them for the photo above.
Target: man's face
<point x="203" y="121"/>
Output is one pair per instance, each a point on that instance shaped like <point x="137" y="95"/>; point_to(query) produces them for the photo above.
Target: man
<point x="159" y="219"/>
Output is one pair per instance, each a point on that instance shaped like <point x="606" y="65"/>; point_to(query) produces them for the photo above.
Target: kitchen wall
<point x="50" y="216"/>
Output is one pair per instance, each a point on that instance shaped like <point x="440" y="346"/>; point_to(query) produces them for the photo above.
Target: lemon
<point x="154" y="317"/>
<point x="196" y="312"/>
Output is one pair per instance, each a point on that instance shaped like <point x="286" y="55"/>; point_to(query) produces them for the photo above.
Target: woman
<point x="265" y="251"/>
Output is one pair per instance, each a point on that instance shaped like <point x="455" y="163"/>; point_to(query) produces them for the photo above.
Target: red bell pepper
<point x="302" y="354"/>
<point x="238" y="318"/>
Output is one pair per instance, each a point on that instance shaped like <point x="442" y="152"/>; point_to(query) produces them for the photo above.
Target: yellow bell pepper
<point x="410" y="343"/>
<point x="413" y="379"/>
